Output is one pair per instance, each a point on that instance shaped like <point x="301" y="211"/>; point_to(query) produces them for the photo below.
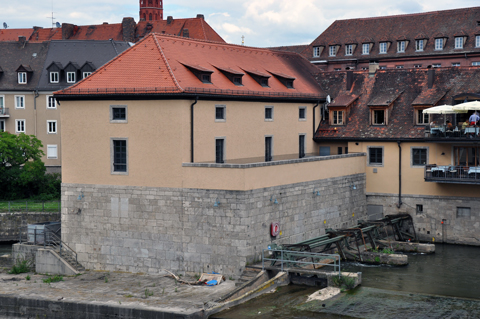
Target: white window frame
<point x="71" y="77"/>
<point x="316" y="52"/>
<point x="22" y="77"/>
<point x="54" y="77"/>
<point x="224" y="118"/>
<point x="383" y="48"/>
<point x="349" y="49"/>
<point x="49" y="105"/>
<point x="2" y="101"/>
<point x="52" y="127"/>
<point x="366" y="48"/>
<point x="476" y="63"/>
<point x="458" y="42"/>
<point x="264" y="113"/>
<point x="455" y="63"/>
<point x="304" y="112"/>
<point x="332" y="50"/>
<point x="20" y="98"/>
<point x="85" y="74"/>
<point x="23" y="126"/>
<point x="419" y="45"/>
<point x="439" y="44"/>
<point x="477" y="41"/>
<point x="436" y="65"/>
<point x="52" y="147"/>
<point x="401" y="46"/>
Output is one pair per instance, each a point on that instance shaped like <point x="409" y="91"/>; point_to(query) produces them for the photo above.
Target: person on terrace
<point x="474" y="118"/>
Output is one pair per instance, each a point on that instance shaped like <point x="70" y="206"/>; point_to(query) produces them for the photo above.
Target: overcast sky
<point x="262" y="22"/>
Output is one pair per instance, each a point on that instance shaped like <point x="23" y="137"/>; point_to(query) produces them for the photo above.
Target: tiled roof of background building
<point x="167" y="64"/>
<point x="13" y="34"/>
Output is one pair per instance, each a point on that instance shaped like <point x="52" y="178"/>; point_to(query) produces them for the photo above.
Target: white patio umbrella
<point x="442" y="109"/>
<point x="473" y="105"/>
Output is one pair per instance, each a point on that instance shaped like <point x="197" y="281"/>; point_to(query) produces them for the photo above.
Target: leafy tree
<point x="22" y="172"/>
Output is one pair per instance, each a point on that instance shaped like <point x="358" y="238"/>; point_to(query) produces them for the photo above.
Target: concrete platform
<point x="409" y="246"/>
<point x="106" y="295"/>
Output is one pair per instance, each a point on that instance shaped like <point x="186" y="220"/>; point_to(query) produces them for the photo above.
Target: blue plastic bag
<point x="211" y="283"/>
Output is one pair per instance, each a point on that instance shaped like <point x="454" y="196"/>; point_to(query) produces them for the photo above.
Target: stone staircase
<point x="70" y="259"/>
<point x="248" y="274"/>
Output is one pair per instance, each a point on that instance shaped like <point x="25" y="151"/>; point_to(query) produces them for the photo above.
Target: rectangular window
<point x="206" y="78"/>
<point x="302" y="113"/>
<point x="477" y="41"/>
<point x="316" y="52"/>
<point x="119" y="156"/>
<point x="458" y="42"/>
<point x="339" y="150"/>
<point x="383" y="67"/>
<point x="118" y="114"/>
<point x="301" y="146"/>
<point x="22" y="77"/>
<point x="85" y="74"/>
<point x="401" y="46"/>
<point x="332" y="50"/>
<point x="268" y="148"/>
<point x="349" y="49"/>
<point x="419" y="209"/>
<point x="383" y="47"/>
<point x="375" y="156"/>
<point x="220" y="150"/>
<point x="422" y="118"/>
<point x="220" y="114"/>
<point x="436" y="65"/>
<point x="366" y="48"/>
<point x="419" y="156"/>
<point x="54" y="77"/>
<point x="337" y="117"/>
<point x="52" y="151"/>
<point x="399" y="67"/>
<point x="455" y="64"/>
<point x="419" y="45"/>
<point x="51" y="102"/>
<point x="439" y="44"/>
<point x="378" y="117"/>
<point x="476" y="63"/>
<point x="52" y="127"/>
<point x="2" y="105"/>
<point x="268" y="113"/>
<point x="71" y="78"/>
<point x="346" y="150"/>
<point x="19" y="101"/>
<point x="463" y="212"/>
<point x="337" y="69"/>
<point x="416" y="66"/>
<point x="2" y="125"/>
<point x="19" y="126"/>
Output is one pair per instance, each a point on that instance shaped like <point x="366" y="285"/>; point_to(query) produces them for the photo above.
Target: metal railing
<point x="452" y="174"/>
<point x="455" y="132"/>
<point x="30" y="206"/>
<point x="4" y="111"/>
<point x="296" y="259"/>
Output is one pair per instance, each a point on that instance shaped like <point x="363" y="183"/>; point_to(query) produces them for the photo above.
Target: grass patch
<point x="21" y="266"/>
<point x="32" y="205"/>
<point x="343" y="282"/>
<point x="148" y="293"/>
<point x="51" y="279"/>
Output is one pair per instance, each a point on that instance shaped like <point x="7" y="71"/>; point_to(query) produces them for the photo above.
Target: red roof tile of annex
<point x="13" y="34"/>
<point x="157" y="65"/>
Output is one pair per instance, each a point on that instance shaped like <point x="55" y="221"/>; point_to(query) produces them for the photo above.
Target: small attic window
<point x="264" y="82"/>
<point x="260" y="77"/>
<point x="285" y="79"/>
<point x="233" y="75"/>
<point x="206" y="78"/>
<point x="200" y="72"/>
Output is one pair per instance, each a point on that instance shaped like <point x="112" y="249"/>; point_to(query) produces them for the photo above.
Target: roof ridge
<point x="203" y="28"/>
<point x="165" y="60"/>
<point x="410" y="14"/>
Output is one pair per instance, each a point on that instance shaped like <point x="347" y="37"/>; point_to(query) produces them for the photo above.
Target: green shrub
<point x="21" y="266"/>
<point x="343" y="282"/>
<point x="51" y="279"/>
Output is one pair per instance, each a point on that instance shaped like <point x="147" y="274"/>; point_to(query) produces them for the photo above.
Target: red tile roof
<point x="162" y="64"/>
<point x="13" y="34"/>
<point x="41" y="34"/>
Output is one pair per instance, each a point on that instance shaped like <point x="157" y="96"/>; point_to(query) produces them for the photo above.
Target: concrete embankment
<point x="409" y="246"/>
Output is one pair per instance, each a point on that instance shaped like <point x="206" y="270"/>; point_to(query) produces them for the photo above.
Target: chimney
<point x="186" y="33"/>
<point x="372" y="68"/>
<point x="22" y="39"/>
<point x="128" y="29"/>
<point x="35" y="28"/>
<point x="431" y="77"/>
<point x="201" y="16"/>
<point x="67" y="30"/>
<point x="349" y="80"/>
<point x="169" y="19"/>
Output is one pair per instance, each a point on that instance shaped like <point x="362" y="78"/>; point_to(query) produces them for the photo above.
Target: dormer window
<point x="349" y="49"/>
<point x="22" y="77"/>
<point x="419" y="45"/>
<point x="332" y="50"/>
<point x="85" y="74"/>
<point x="366" y="48"/>
<point x="260" y="77"/>
<point x="71" y="77"/>
<point x="71" y="70"/>
<point x="439" y="43"/>
<point x="401" y="46"/>
<point x="233" y="75"/>
<point x="383" y="47"/>
<point x="316" y="52"/>
<point x="54" y="76"/>
<point x="87" y="69"/>
<point x="286" y="80"/>
<point x="200" y="72"/>
<point x="477" y="41"/>
<point x="459" y="42"/>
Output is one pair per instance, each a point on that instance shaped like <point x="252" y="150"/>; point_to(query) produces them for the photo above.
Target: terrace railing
<point x="452" y="174"/>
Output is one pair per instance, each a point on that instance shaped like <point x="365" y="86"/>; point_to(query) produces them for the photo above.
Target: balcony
<point x="4" y="112"/>
<point x="452" y="174"/>
<point x="456" y="133"/>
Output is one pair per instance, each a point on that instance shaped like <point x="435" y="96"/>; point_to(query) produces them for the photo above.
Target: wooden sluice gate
<point x="376" y="242"/>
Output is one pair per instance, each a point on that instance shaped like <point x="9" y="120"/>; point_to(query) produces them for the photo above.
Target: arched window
<point x="150" y="17"/>
<point x="144" y="16"/>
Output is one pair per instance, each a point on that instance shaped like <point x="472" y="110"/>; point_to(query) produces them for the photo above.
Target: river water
<point x="5" y="249"/>
<point x="445" y="284"/>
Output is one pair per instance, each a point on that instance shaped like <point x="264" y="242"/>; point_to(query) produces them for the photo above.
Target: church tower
<point x="151" y="10"/>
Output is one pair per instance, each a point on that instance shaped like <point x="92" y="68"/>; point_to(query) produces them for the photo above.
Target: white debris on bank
<point x="324" y="294"/>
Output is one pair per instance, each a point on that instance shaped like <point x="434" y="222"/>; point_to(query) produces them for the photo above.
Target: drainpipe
<point x="36" y="95"/>
<point x="318" y="102"/>
<point x="399" y="175"/>
<point x="191" y="128"/>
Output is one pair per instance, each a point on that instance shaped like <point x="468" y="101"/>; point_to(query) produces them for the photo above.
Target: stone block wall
<point x="460" y="226"/>
<point x="144" y="229"/>
<point x="10" y="223"/>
